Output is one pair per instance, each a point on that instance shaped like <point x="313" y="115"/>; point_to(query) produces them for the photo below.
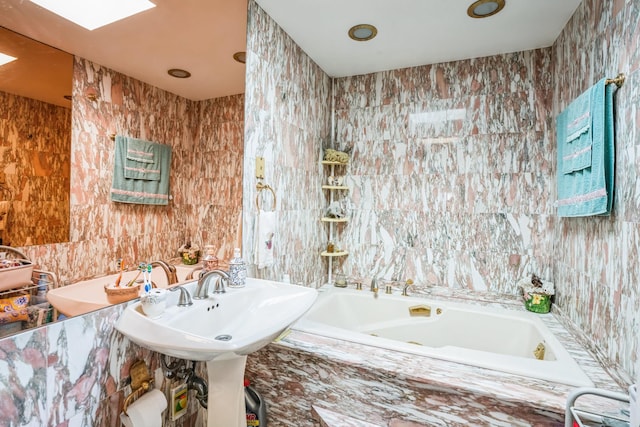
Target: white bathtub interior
<point x="488" y="337"/>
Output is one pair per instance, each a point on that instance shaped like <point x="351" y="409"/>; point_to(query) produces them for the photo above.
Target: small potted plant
<point x="189" y="253"/>
<point x="536" y="293"/>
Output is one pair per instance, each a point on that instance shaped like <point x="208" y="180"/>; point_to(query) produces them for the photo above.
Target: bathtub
<point x="484" y="336"/>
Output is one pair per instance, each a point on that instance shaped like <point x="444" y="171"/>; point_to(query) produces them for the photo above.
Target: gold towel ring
<point x="260" y="186"/>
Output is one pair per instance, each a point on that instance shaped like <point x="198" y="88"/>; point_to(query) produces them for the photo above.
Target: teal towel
<point x="589" y="190"/>
<point x="139" y="150"/>
<point x="141" y="191"/>
<point x="579" y="136"/>
<point x="143" y="160"/>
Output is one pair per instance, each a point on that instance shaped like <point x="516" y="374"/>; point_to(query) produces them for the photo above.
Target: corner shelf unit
<point x="333" y="221"/>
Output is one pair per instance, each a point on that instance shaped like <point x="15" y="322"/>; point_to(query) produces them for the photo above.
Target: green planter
<point x="538" y="303"/>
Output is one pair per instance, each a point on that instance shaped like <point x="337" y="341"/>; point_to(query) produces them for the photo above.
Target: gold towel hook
<point x="260" y="186"/>
<point x="618" y="80"/>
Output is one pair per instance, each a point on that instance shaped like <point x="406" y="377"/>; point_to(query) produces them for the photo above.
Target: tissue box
<point x="16" y="276"/>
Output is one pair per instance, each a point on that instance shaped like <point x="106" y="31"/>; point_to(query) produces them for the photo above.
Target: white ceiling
<point x="414" y="32"/>
<point x="202" y="36"/>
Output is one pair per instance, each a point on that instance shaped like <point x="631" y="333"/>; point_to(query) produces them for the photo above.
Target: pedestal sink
<point x="220" y="330"/>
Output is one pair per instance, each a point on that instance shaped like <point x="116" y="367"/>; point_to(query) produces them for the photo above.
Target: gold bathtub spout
<point x="539" y="352"/>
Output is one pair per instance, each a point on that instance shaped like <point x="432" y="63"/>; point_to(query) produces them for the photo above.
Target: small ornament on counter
<point x="210" y="260"/>
<point x="189" y="253"/>
<point x="536" y="293"/>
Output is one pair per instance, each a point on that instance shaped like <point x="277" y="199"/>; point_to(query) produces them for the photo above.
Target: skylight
<point x="5" y="59"/>
<point x="92" y="14"/>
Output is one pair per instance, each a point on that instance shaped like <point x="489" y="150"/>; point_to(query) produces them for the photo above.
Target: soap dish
<point x="119" y="294"/>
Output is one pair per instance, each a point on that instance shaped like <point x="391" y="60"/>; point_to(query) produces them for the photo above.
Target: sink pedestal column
<point x="226" y="391"/>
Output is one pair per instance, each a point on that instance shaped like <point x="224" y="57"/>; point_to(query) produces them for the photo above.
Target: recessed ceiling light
<point x="485" y="8"/>
<point x="362" y="32"/>
<point x="178" y="73"/>
<point x="240" y="57"/>
<point x="92" y="14"/>
<point x="5" y="59"/>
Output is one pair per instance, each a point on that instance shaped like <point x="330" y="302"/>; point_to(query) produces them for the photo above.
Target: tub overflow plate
<point x="224" y="337"/>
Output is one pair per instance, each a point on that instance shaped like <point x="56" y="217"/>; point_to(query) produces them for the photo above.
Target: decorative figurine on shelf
<point x="335" y="180"/>
<point x="335" y="210"/>
<point x="331" y="155"/>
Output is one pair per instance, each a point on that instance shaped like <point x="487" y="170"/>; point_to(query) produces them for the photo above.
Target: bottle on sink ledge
<point x="237" y="270"/>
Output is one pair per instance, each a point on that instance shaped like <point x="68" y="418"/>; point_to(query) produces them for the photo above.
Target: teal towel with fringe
<point x="587" y="189"/>
<point x="140" y="191"/>
<point x="143" y="160"/>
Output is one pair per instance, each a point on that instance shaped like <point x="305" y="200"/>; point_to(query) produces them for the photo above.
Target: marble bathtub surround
<point x="386" y="388"/>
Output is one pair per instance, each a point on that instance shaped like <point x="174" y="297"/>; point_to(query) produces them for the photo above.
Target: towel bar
<point x="618" y="80"/>
<point x="260" y="186"/>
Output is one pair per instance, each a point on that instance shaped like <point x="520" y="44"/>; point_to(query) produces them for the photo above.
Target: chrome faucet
<point x="169" y="270"/>
<point x="184" y="299"/>
<point x="374" y="287"/>
<point x="205" y="278"/>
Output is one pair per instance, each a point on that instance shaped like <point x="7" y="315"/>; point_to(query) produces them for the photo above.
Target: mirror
<point x="207" y="136"/>
<point x="35" y="142"/>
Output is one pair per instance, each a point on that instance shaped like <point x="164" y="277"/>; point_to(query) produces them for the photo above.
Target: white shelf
<point x="335" y="187"/>
<point x="325" y="219"/>
<point x="327" y="162"/>
<point x="334" y="254"/>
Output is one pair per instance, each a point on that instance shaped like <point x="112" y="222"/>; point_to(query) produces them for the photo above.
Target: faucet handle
<point x="408" y="284"/>
<point x="185" y="299"/>
<point x="219" y="287"/>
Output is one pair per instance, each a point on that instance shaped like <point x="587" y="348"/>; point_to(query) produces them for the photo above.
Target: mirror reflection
<point x="207" y="138"/>
<point x="35" y="142"/>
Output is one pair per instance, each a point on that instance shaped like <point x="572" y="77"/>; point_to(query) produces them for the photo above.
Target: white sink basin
<point x="88" y="295"/>
<point x="239" y="321"/>
<point x="220" y="330"/>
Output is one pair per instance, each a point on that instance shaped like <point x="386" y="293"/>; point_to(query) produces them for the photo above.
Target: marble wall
<point x="287" y="121"/>
<point x="597" y="261"/>
<point x="451" y="177"/>
<point x="35" y="139"/>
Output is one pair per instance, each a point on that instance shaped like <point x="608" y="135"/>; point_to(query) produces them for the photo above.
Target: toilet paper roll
<point x="146" y="411"/>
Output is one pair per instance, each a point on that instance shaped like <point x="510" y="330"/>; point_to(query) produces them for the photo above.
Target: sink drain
<point x="223" y="337"/>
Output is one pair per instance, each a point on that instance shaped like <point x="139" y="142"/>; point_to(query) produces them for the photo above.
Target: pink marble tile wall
<point x="287" y="121"/>
<point x="451" y="177"/>
<point x="597" y="265"/>
<point x="34" y="160"/>
<point x="75" y="373"/>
